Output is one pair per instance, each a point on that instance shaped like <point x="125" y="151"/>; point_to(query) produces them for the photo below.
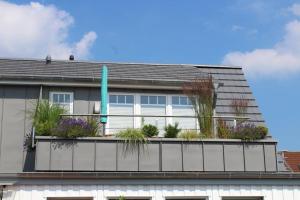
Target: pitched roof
<point x="235" y="84"/>
<point x="292" y="160"/>
<point x="92" y="70"/>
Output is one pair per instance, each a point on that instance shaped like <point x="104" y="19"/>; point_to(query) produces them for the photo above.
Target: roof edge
<point x="128" y="63"/>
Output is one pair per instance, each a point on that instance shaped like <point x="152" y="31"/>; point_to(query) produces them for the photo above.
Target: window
<point x="121" y="99"/>
<point x="63" y="99"/>
<point x="242" y="198"/>
<point x="153" y="100"/>
<point x="181" y="101"/>
<point x="186" y="198"/>
<point x="70" y="198"/>
<point x="129" y="198"/>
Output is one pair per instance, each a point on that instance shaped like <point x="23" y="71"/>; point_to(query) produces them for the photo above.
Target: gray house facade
<point x="98" y="168"/>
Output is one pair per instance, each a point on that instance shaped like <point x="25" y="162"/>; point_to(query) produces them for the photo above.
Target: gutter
<point x="159" y="175"/>
<point x="159" y="85"/>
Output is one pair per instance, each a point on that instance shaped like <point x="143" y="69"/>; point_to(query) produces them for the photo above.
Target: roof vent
<point x="48" y="59"/>
<point x="71" y="57"/>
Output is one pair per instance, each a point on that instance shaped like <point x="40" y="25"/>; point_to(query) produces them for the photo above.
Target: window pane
<point x="144" y="99"/>
<point x="175" y="100"/>
<point x="162" y="100"/>
<point x="67" y="98"/>
<point x="112" y="99"/>
<point x="189" y="101"/>
<point x="60" y="98"/>
<point x="121" y="99"/>
<point x="129" y="99"/>
<point x="55" y="98"/>
<point x="183" y="100"/>
<point x="153" y="99"/>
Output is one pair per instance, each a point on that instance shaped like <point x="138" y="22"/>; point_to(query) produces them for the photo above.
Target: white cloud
<point x="83" y="46"/>
<point x="295" y="8"/>
<point x="282" y="59"/>
<point x="35" y="30"/>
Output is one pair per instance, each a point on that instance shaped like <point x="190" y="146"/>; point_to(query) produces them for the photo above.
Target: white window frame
<point x="186" y="197"/>
<point x="156" y="95"/>
<point x="62" y="92"/>
<point x="121" y="94"/>
<point x="180" y="105"/>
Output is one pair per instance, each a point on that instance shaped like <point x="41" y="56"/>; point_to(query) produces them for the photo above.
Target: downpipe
<point x="1" y="191"/>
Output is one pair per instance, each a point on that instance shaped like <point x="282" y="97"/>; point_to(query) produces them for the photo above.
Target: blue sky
<point x="262" y="36"/>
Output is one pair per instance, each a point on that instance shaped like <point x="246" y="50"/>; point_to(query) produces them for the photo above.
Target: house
<point x="291" y="160"/>
<point x="86" y="168"/>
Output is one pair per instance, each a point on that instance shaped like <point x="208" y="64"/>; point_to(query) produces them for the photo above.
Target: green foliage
<point x="132" y="135"/>
<point x="132" y="139"/>
<point x="150" y="130"/>
<point x="249" y="132"/>
<point x="261" y="132"/>
<point x="189" y="135"/>
<point x="46" y="117"/>
<point x="172" y="131"/>
<point x="76" y="127"/>
<point x="121" y="198"/>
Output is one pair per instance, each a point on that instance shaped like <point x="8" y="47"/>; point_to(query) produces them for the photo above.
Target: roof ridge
<point x="126" y="63"/>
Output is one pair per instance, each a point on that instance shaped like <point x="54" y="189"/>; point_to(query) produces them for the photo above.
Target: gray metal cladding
<point x="149" y="157"/>
<point x="234" y="157"/>
<point x="254" y="159"/>
<point x="192" y="154"/>
<point x="171" y="156"/>
<point x="16" y="104"/>
<point x="61" y="155"/>
<point x="155" y="156"/>
<point x="105" y="158"/>
<point x="213" y="157"/>
<point x="127" y="158"/>
<point x="84" y="156"/>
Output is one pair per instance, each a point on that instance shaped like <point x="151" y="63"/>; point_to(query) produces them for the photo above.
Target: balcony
<point x="157" y="155"/>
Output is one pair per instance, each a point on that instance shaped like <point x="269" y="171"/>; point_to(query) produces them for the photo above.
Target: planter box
<point x="159" y="155"/>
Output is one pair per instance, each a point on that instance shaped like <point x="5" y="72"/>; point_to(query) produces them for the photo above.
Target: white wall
<point x="157" y="192"/>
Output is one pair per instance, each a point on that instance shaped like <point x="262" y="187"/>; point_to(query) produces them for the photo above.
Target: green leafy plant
<point x="46" y="117"/>
<point x="172" y="131"/>
<point x="150" y="130"/>
<point x="189" y="135"/>
<point x="249" y="132"/>
<point x="121" y="198"/>
<point x="261" y="132"/>
<point x="133" y="138"/>
<point x="201" y="94"/>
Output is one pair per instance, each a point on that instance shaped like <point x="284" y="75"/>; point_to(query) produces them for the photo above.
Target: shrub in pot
<point x="172" y="131"/>
<point x="150" y="130"/>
